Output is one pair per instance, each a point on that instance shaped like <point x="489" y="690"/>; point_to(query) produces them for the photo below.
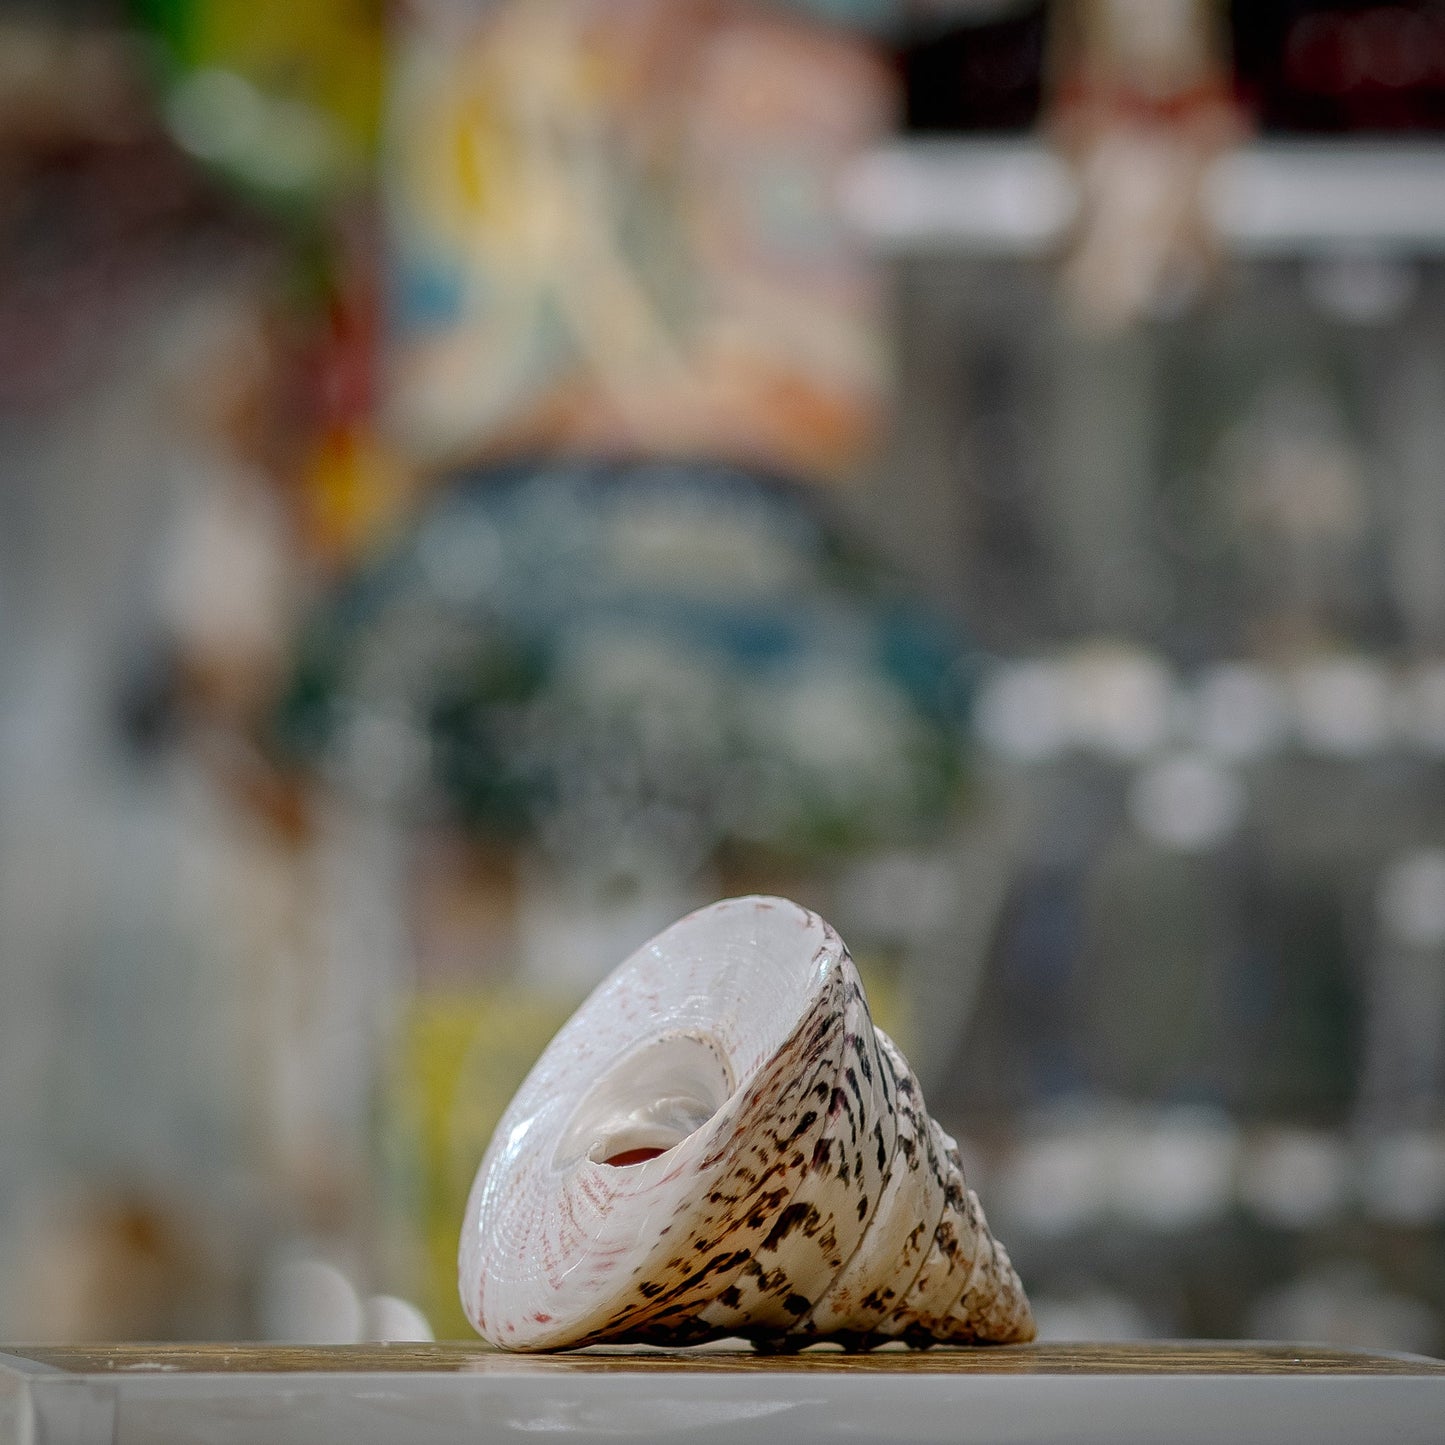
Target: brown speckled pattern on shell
<point x="873" y="1283"/>
<point x="819" y="1199"/>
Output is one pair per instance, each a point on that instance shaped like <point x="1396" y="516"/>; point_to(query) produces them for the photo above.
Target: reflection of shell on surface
<point x="719" y="1142"/>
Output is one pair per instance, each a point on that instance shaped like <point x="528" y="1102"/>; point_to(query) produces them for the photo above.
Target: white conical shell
<point x="801" y="1191"/>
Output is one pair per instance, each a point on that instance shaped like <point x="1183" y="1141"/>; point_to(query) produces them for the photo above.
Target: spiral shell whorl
<point x="965" y="1289"/>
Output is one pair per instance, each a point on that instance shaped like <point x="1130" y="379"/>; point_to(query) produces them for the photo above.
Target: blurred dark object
<point x="94" y="200"/>
<point x="633" y="666"/>
<point x="977" y="68"/>
<point x="147" y="714"/>
<point x="1337" y="66"/>
<point x="66" y="86"/>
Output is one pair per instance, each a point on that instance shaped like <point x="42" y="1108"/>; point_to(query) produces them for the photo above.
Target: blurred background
<point x="480" y="479"/>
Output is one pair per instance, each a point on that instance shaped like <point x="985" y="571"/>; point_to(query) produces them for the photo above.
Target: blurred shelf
<point x="1302" y="196"/>
<point x="1002" y="197"/>
<point x="1015" y="197"/>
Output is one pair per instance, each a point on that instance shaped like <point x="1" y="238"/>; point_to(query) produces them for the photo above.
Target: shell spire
<point x="720" y="1142"/>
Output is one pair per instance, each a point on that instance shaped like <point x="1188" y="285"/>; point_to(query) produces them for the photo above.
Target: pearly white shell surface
<point x="719" y="1142"/>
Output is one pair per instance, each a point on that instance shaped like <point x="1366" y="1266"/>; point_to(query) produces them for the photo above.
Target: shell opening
<point x="648" y="1102"/>
<point x="632" y="1156"/>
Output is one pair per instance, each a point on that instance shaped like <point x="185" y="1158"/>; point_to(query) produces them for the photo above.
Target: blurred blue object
<point x="635" y="666"/>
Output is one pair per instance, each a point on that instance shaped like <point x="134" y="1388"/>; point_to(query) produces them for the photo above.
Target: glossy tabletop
<point x="229" y="1394"/>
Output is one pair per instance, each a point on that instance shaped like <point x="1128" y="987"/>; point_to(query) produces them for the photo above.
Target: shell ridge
<point x="821" y="1227"/>
<point x="873" y="1259"/>
<point x="918" y="1303"/>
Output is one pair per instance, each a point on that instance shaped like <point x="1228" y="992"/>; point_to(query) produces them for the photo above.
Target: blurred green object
<point x="282" y="99"/>
<point x="637" y="667"/>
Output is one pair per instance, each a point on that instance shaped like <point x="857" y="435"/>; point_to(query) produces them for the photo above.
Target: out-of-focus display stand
<point x="1029" y="1395"/>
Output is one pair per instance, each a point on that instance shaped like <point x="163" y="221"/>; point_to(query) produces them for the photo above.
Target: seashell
<point x="719" y="1142"/>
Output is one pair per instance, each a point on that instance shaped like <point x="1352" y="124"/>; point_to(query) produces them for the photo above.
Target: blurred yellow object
<point x="354" y="488"/>
<point x="327" y="53"/>
<point x="282" y="99"/>
<point x="459" y="1057"/>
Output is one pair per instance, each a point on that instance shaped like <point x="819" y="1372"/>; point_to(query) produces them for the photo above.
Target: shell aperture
<point x="719" y="1142"/>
